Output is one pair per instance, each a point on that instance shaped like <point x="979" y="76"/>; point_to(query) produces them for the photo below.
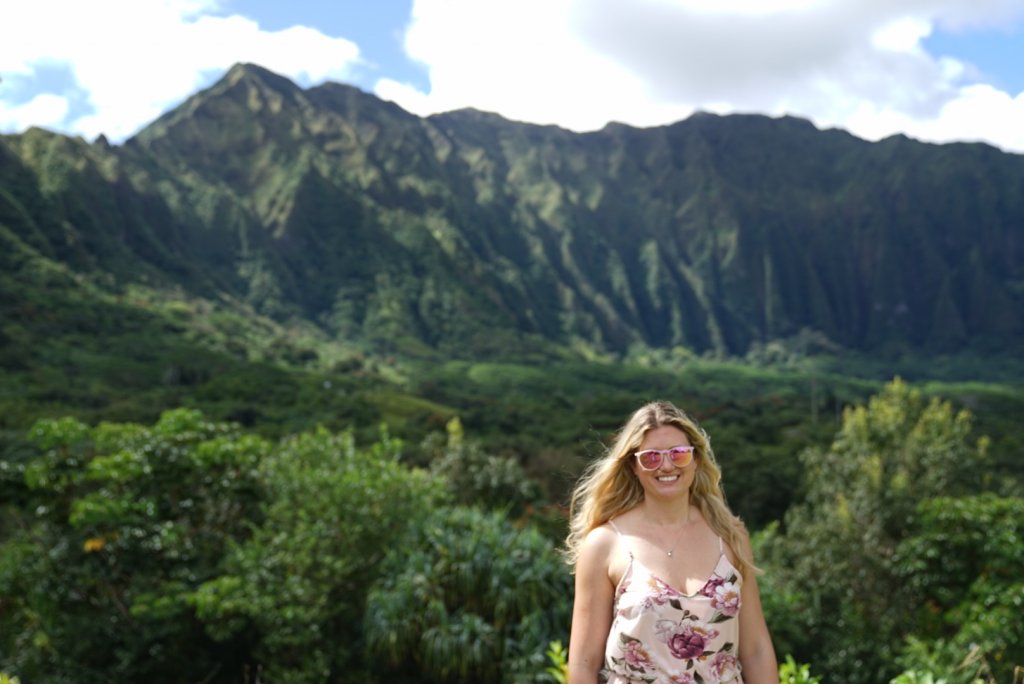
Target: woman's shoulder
<point x="600" y="542"/>
<point x="599" y="554"/>
<point x="602" y="535"/>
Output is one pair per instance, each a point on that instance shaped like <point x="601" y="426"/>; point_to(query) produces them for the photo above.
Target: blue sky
<point x="997" y="53"/>
<point x="377" y="26"/>
<point x="936" y="70"/>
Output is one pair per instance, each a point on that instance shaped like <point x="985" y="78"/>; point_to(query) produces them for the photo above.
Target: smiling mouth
<point x="668" y="478"/>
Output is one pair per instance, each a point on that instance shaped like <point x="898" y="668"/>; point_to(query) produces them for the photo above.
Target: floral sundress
<point x="660" y="635"/>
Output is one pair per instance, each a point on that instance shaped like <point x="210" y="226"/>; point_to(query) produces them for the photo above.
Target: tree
<point x="961" y="566"/>
<point x="297" y="588"/>
<point x="836" y="560"/>
<point x="192" y="551"/>
<point x="478" y="478"/>
<point x="128" y="521"/>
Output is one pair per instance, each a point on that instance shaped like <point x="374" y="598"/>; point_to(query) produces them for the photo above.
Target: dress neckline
<point x="714" y="571"/>
<point x="699" y="593"/>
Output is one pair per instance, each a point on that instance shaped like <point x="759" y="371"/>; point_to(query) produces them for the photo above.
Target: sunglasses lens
<point x="681" y="455"/>
<point x="649" y="459"/>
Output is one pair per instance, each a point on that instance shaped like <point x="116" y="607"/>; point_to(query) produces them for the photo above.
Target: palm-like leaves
<point x="471" y="598"/>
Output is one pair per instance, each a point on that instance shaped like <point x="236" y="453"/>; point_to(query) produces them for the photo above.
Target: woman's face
<point x="668" y="479"/>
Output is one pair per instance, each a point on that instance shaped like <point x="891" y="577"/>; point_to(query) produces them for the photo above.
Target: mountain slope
<point x="469" y="234"/>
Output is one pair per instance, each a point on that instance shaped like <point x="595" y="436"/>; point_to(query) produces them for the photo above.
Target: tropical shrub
<point x="478" y="478"/>
<point x="468" y="598"/>
<point x="296" y="589"/>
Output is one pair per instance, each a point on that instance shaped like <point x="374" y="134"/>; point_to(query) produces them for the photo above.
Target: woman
<point x="666" y="590"/>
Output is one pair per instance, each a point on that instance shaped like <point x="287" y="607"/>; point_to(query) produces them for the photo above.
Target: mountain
<point x="465" y="234"/>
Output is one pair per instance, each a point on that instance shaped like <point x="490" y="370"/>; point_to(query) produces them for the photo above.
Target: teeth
<point x="667" y="478"/>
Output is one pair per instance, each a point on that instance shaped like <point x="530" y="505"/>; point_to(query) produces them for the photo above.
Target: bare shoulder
<point x="596" y="555"/>
<point x="598" y="544"/>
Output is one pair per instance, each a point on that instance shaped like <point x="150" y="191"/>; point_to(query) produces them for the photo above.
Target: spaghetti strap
<point x="721" y="547"/>
<point x="621" y="540"/>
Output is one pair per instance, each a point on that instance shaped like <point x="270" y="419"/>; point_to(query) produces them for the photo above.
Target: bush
<point x="128" y="521"/>
<point x="468" y="598"/>
<point x="296" y="589"/>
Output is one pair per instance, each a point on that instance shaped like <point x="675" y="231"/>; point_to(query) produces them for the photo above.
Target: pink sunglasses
<point x="651" y="459"/>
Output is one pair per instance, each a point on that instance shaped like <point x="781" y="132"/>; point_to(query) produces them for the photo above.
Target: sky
<point x="935" y="70"/>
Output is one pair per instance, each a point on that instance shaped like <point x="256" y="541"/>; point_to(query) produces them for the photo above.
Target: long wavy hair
<point x="609" y="487"/>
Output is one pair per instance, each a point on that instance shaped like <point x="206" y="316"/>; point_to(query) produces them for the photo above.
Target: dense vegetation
<point x="293" y="386"/>
<point x="192" y="550"/>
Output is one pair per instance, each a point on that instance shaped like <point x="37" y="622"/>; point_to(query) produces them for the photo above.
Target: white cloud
<point x="903" y="34"/>
<point x="854" y="64"/>
<point x="42" y="110"/>
<point x="134" y="59"/>
<point x="973" y="116"/>
<point x="520" y="59"/>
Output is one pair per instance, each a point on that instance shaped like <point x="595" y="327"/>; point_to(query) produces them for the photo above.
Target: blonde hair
<point x="609" y="487"/>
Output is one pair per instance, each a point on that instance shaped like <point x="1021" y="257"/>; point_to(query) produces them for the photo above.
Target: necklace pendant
<point x="669" y="553"/>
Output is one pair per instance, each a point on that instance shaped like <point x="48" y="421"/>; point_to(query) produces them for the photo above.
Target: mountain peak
<point x="250" y="86"/>
<point x="253" y="73"/>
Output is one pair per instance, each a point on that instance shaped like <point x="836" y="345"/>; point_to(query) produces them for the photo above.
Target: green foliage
<point x="284" y="259"/>
<point x="790" y="672"/>
<point x="839" y="546"/>
<point x="126" y="545"/>
<point x="468" y="598"/>
<point x="558" y="656"/>
<point x="297" y="586"/>
<point x="917" y="677"/>
<point x="478" y="478"/>
<point x="126" y="523"/>
<point x="962" y="564"/>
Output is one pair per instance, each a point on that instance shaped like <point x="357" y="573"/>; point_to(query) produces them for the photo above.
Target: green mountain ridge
<point x="464" y="234"/>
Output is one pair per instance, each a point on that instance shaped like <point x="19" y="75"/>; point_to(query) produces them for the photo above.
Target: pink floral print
<point x="724" y="666"/>
<point x="661" y="636"/>
<point x="635" y="655"/>
<point x="686" y="640"/>
<point x="726" y="599"/>
<point x="711" y="585"/>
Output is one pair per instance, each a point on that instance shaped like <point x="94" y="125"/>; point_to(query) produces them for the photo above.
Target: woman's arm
<point x="592" y="608"/>
<point x="757" y="655"/>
